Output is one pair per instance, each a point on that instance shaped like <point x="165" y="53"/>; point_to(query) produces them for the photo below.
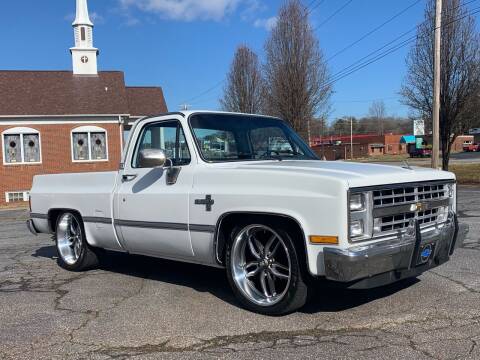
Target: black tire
<point x="296" y="293"/>
<point x="88" y="256"/>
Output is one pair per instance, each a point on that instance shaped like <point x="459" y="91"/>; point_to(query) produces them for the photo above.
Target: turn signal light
<point x="318" y="239"/>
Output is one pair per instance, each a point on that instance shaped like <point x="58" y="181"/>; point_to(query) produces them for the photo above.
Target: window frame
<point x="148" y="124"/>
<point x="21" y="131"/>
<point x="197" y="144"/>
<point x="89" y="130"/>
<point x="25" y="196"/>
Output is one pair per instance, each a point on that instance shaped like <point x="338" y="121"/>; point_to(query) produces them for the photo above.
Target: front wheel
<point x="73" y="251"/>
<point x="264" y="271"/>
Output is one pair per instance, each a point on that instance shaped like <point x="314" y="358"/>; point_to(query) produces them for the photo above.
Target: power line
<point x="385" y="23"/>
<point x="352" y="68"/>
<point x="205" y="92"/>
<point x="315" y="7"/>
<point x="359" y="61"/>
<point x="342" y="74"/>
<point x="390" y="43"/>
<point x="333" y="15"/>
<point x="367" y="101"/>
<point x="374" y="30"/>
<point x="310" y="3"/>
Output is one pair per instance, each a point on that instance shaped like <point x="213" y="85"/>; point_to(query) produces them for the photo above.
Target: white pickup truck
<point x="245" y="193"/>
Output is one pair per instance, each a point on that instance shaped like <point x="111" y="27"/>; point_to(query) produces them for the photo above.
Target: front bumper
<point x="384" y="262"/>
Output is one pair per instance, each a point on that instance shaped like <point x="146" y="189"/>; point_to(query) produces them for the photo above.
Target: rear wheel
<point x="264" y="271"/>
<point x="73" y="251"/>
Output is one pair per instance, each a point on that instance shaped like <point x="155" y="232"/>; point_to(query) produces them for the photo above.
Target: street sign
<point x="418" y="127"/>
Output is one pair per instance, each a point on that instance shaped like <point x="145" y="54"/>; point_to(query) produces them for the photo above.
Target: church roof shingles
<point x="24" y="93"/>
<point x="144" y="101"/>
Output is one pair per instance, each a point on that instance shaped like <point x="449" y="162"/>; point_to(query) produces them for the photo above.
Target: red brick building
<point x="338" y="147"/>
<point x="66" y="121"/>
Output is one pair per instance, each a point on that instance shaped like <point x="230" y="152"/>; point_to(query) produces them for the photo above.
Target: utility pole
<point x="309" y="133"/>
<point x="351" y="137"/>
<point x="436" y="86"/>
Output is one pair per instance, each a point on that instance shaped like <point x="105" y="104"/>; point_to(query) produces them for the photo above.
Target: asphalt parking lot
<point x="136" y="307"/>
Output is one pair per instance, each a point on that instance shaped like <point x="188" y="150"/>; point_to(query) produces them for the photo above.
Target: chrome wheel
<point x="261" y="265"/>
<point x="69" y="239"/>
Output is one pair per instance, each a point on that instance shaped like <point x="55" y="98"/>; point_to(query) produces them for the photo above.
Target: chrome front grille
<point x="408" y="194"/>
<point x="402" y="221"/>
<point x="395" y="208"/>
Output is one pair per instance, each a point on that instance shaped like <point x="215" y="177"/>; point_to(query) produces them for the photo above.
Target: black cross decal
<point x="208" y="202"/>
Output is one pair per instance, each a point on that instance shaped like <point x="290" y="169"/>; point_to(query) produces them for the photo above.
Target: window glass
<point x="31" y="148"/>
<point x="217" y="144"/>
<point x="228" y="137"/>
<point x="17" y="196"/>
<point x="13" y="151"/>
<point x="167" y="136"/>
<point x="271" y="140"/>
<point x="82" y="33"/>
<point x="80" y="146"/>
<point x="98" y="146"/>
<point x="183" y="152"/>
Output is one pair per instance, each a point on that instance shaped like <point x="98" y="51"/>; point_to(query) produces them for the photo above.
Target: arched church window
<point x="89" y="143"/>
<point x="82" y="33"/>
<point x="21" y="145"/>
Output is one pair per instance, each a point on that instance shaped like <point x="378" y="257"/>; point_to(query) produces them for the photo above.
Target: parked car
<point x="422" y="151"/>
<point x="274" y="219"/>
<point x="471" y="147"/>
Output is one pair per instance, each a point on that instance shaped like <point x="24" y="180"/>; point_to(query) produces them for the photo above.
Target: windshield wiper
<point x="271" y="157"/>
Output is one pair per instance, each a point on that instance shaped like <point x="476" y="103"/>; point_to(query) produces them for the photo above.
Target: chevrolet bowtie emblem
<point x="418" y="207"/>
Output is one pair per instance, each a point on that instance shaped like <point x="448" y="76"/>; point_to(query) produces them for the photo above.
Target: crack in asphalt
<point x="297" y="338"/>
<point x="458" y="282"/>
<point x="462" y="214"/>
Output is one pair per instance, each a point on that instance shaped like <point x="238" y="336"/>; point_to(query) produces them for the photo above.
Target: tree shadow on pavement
<point x="325" y="296"/>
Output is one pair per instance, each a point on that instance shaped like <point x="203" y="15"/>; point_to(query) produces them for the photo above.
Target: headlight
<point x="357" y="202"/>
<point x="450" y="190"/>
<point x="360" y="227"/>
<point x="356" y="228"/>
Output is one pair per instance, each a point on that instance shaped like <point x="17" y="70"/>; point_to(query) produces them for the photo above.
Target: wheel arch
<point x="54" y="213"/>
<point x="227" y="221"/>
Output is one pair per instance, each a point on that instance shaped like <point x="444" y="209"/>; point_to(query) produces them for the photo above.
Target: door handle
<point x="129" y="177"/>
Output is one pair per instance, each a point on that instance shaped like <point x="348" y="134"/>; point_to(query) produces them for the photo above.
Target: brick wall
<point x="56" y="156"/>
<point x="340" y="152"/>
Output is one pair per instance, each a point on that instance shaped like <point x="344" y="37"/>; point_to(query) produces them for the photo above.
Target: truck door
<point x="151" y="210"/>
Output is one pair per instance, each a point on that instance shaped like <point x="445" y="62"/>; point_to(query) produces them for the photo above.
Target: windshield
<point x="228" y="137"/>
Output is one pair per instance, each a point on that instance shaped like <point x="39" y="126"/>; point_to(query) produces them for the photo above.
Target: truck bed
<point x="90" y="194"/>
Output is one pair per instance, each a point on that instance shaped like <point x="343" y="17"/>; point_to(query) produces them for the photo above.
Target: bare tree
<point x="377" y="111"/>
<point x="460" y="75"/>
<point x="296" y="75"/>
<point x="244" y="89"/>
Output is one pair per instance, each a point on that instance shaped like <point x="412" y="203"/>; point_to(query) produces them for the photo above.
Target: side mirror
<point x="151" y="158"/>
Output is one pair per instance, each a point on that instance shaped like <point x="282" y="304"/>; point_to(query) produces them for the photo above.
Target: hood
<point x="354" y="174"/>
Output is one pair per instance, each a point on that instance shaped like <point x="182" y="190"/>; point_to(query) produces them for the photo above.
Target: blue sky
<point x="186" y="46"/>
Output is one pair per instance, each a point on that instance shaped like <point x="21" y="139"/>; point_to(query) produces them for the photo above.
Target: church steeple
<point x="84" y="55"/>
<point x="82" y="17"/>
